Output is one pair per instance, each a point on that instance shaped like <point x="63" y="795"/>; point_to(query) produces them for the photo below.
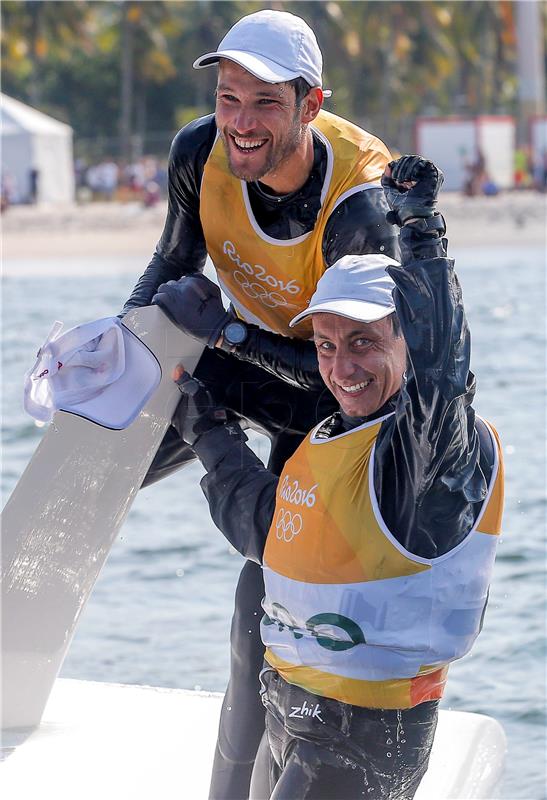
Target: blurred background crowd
<point x="94" y="92"/>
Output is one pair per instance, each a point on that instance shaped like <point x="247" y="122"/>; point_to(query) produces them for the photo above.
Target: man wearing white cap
<point x="274" y="190"/>
<point x="378" y="539"/>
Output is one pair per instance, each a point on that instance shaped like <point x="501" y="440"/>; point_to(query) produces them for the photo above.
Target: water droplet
<point x="388" y="755"/>
<point x="249" y="631"/>
<point x="389" y="741"/>
<point x="229" y="708"/>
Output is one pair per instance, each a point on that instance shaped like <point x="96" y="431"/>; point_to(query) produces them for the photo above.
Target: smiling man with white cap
<point x="275" y="190"/>
<point x="377" y="541"/>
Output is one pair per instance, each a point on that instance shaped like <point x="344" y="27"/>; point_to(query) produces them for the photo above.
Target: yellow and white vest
<point x="270" y="280"/>
<point x="349" y="613"/>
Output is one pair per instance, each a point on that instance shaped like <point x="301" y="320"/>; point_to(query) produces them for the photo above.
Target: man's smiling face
<point x="362" y="363"/>
<point x="259" y="123"/>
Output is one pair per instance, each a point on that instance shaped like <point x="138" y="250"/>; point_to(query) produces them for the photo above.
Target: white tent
<point x="36" y="149"/>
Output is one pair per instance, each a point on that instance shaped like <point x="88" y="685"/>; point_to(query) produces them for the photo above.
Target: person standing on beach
<point x="378" y="539"/>
<point x="274" y="190"/>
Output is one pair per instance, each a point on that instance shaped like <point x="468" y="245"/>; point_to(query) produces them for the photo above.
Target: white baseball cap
<point x="356" y="287"/>
<point x="274" y="46"/>
<point x="99" y="370"/>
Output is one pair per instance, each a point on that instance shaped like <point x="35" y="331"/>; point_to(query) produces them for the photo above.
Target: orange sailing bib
<point x="270" y="280"/>
<point x="350" y="613"/>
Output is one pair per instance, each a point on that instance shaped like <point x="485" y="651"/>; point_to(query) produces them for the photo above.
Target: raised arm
<point x="428" y="475"/>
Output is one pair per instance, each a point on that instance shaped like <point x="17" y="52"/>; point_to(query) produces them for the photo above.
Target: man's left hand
<point x="195" y="306"/>
<point x="411" y="185"/>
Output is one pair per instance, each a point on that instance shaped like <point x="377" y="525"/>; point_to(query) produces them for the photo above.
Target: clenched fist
<point x="411" y="185"/>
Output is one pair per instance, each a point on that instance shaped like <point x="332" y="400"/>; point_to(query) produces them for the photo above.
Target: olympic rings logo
<point x="248" y="274"/>
<point x="287" y="525"/>
<point x="256" y="290"/>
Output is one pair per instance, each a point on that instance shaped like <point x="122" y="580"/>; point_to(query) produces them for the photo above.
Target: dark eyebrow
<point x="357" y="332"/>
<point x="224" y="87"/>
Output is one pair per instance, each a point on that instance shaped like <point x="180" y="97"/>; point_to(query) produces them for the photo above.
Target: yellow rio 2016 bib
<point x="349" y="613"/>
<point x="269" y="280"/>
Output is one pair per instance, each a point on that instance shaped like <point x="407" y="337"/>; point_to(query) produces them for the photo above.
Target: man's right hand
<point x="197" y="411"/>
<point x="411" y="185"/>
<point x="194" y="304"/>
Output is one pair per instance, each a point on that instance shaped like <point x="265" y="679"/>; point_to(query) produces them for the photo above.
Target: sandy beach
<point x="51" y="236"/>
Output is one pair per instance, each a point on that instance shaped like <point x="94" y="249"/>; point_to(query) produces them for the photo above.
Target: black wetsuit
<point x="432" y="464"/>
<point x="271" y="383"/>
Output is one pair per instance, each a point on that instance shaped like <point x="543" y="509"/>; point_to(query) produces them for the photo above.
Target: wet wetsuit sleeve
<point x="357" y="226"/>
<point x="427" y="471"/>
<point x="239" y="489"/>
<point x="181" y="249"/>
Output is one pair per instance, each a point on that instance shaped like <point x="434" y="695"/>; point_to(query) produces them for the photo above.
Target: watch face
<point x="235" y="333"/>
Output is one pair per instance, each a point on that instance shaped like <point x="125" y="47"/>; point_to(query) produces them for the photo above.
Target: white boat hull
<point x="64" y="514"/>
<point x="101" y="740"/>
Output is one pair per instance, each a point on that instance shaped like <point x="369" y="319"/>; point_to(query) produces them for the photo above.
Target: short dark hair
<point x="396" y="325"/>
<point x="301" y="88"/>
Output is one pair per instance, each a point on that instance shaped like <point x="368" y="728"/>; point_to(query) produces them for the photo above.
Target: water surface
<point x="160" y="612"/>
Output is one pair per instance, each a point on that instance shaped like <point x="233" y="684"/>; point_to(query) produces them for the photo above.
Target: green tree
<point x="120" y="72"/>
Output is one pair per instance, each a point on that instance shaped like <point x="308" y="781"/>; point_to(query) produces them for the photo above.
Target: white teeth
<point x="356" y="387"/>
<point x="249" y="144"/>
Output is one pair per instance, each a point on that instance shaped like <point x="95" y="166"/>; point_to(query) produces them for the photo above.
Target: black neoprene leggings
<point x="315" y="748"/>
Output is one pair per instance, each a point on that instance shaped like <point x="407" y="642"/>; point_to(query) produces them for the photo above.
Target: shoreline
<point x="124" y="233"/>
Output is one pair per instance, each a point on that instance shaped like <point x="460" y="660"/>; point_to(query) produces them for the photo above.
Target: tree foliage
<point x="116" y="70"/>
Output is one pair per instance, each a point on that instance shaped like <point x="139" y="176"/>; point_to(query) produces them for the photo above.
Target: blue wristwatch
<point x="234" y="333"/>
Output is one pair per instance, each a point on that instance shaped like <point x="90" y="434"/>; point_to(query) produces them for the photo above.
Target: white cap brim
<point x="262" y="68"/>
<point x="358" y="310"/>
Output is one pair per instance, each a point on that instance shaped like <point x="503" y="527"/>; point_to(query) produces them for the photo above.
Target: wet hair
<point x="301" y="88"/>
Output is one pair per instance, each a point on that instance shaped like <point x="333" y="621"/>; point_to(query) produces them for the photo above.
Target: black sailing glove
<point x="411" y="186"/>
<point x="194" y="304"/>
<point x="197" y="412"/>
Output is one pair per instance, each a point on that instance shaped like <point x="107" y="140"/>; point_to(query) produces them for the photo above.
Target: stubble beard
<point x="276" y="155"/>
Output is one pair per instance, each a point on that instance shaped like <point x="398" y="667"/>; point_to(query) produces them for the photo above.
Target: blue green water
<point x="160" y="612"/>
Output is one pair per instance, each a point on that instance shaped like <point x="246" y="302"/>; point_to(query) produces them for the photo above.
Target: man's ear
<point x="311" y="105"/>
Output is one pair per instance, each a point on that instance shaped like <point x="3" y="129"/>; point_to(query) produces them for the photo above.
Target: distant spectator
<point x="80" y="172"/>
<point x="540" y="172"/>
<point x="102" y="179"/>
<point x="135" y="176"/>
<point x="476" y="176"/>
<point x="161" y="177"/>
<point x="522" y="175"/>
<point x="34" y="181"/>
<point x="152" y="194"/>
